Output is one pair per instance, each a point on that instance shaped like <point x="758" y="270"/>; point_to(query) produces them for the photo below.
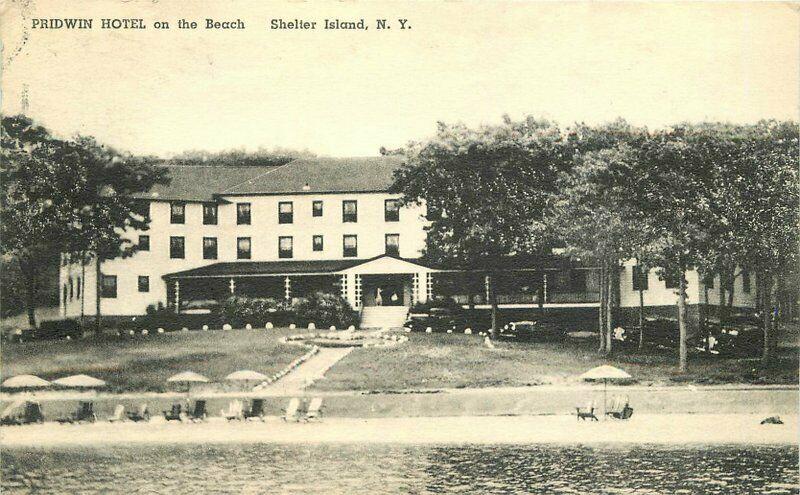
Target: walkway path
<point x="308" y="372"/>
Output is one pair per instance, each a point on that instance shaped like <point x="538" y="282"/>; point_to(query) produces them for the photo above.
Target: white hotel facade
<point x="317" y="224"/>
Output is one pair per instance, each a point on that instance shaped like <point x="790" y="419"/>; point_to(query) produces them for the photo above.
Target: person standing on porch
<point x="378" y="297"/>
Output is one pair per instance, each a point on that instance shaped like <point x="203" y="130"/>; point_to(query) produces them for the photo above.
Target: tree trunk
<point x="769" y="337"/>
<point x="83" y="288"/>
<point x="731" y="287"/>
<point x="98" y="290"/>
<point x="641" y="314"/>
<point x="601" y="309"/>
<point x="610" y="307"/>
<point x="721" y="313"/>
<point x="682" y="323"/>
<point x="706" y="328"/>
<point x="29" y="276"/>
<point x="493" y="302"/>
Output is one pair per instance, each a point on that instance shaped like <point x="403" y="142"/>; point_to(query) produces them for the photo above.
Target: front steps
<point x="383" y="316"/>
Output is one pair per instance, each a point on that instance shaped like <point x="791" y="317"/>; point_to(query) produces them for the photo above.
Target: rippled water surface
<point x="308" y="469"/>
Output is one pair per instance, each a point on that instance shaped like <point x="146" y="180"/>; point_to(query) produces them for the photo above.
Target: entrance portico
<point x="399" y="282"/>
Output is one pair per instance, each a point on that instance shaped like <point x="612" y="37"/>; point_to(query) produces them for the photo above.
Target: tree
<point x="240" y="157"/>
<point x="105" y="209"/>
<point x="486" y="191"/>
<point x="33" y="214"/>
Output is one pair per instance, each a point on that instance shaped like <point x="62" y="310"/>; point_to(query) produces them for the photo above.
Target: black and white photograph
<point x="399" y="247"/>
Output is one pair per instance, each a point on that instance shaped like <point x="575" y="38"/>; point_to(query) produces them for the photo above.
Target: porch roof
<point x="274" y="268"/>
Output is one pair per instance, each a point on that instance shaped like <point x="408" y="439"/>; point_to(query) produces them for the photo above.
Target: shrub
<point x="436" y="302"/>
<point x="239" y="311"/>
<point x="324" y="309"/>
<point x="59" y="329"/>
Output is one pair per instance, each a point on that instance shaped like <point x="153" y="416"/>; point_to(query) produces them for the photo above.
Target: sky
<point x="347" y="93"/>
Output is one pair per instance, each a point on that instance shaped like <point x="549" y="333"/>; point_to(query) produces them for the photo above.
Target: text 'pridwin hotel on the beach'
<point x="326" y="224"/>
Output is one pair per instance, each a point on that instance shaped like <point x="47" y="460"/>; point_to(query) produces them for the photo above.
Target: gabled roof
<point x="364" y="174"/>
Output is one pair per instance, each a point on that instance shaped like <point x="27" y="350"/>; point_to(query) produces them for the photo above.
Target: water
<point x="373" y="469"/>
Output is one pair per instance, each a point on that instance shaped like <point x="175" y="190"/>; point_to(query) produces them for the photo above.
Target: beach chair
<point x="256" y="410"/>
<point x="620" y="409"/>
<point x="33" y="413"/>
<point x="119" y="414"/>
<point x="314" y="409"/>
<point x="234" y="411"/>
<point x="143" y="414"/>
<point x="586" y="412"/>
<point x="199" y="412"/>
<point x="174" y="414"/>
<point x="11" y="414"/>
<point x="85" y="413"/>
<point x="292" y="412"/>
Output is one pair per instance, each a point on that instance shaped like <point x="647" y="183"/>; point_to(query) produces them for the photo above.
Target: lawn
<point x="458" y="361"/>
<point x="143" y="363"/>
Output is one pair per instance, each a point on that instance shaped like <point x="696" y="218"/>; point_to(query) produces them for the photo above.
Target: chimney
<point x="306" y="187"/>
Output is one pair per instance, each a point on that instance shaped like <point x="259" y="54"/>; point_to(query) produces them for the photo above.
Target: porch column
<point x="343" y="286"/>
<point x="415" y="287"/>
<point x="487" y="284"/>
<point x="232" y="286"/>
<point x="544" y="288"/>
<point x="357" y="292"/>
<point x="177" y="296"/>
<point x="428" y="286"/>
<point x="287" y="288"/>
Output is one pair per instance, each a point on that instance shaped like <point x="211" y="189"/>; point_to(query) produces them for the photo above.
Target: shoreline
<point x="666" y="429"/>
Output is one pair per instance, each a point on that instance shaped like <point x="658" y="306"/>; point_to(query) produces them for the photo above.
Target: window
<point x="210" y="214"/>
<point x="144" y="243"/>
<point x="78" y="289"/>
<point x="349" y="211"/>
<point x="285" y="212"/>
<point x="350" y="246"/>
<point x="317" y="243"/>
<point x="243" y="213"/>
<point x="243" y="248"/>
<point x="209" y="248"/>
<point x="285" y="245"/>
<point x="745" y="281"/>
<point x="393" y="244"/>
<point x="108" y="287"/>
<point x="177" y="212"/>
<point x="670" y="281"/>
<point x="708" y="281"/>
<point x="71" y="288"/>
<point x="64" y="295"/>
<point x="177" y="247"/>
<point x="391" y="210"/>
<point x="316" y="208"/>
<point x="639" y="278"/>
<point x="144" y="283"/>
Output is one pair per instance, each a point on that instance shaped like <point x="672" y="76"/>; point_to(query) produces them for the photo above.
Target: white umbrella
<point x="246" y="376"/>
<point x="605" y="373"/>
<point x="25" y="381"/>
<point x="188" y="377"/>
<point x="80" y="381"/>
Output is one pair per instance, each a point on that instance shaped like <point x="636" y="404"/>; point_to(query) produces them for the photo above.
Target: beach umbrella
<point x="187" y="377"/>
<point x="605" y="373"/>
<point x="25" y="381"/>
<point x="79" y="381"/>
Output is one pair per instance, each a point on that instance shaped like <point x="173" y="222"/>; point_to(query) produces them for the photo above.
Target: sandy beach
<point x="561" y="429"/>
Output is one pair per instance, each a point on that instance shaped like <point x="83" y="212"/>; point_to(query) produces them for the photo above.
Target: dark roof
<point x="365" y="174"/>
<point x="245" y="268"/>
<point x="202" y="182"/>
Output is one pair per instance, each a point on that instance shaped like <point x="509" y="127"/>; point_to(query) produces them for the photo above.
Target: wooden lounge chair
<point x="314" y="409"/>
<point x="33" y="413"/>
<point x="256" y="410"/>
<point x="174" y="414"/>
<point x="85" y="413"/>
<point x="199" y="412"/>
<point x="119" y="414"/>
<point x="620" y="409"/>
<point x="292" y="412"/>
<point x="143" y="414"/>
<point x="586" y="412"/>
<point x="12" y="414"/>
<point x="234" y="411"/>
